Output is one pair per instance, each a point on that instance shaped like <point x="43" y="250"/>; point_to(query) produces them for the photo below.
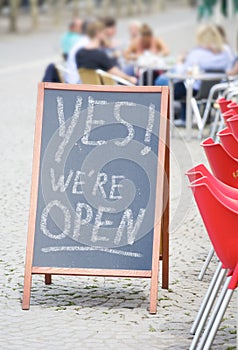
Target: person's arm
<point x="234" y="69"/>
<point x="116" y="71"/>
<point x="130" y="53"/>
<point x="106" y="64"/>
<point x="162" y="48"/>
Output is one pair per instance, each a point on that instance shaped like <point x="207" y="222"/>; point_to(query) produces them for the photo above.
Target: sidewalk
<point x="88" y="312"/>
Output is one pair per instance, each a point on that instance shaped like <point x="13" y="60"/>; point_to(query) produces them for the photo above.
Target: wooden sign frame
<point x="161" y="221"/>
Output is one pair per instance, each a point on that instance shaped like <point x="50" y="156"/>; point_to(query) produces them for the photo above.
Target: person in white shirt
<point x="71" y="75"/>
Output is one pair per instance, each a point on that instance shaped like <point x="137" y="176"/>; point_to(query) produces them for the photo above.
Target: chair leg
<point x="215" y="125"/>
<point x="206" y="263"/>
<point x="214" y="314"/>
<point x="207" y="310"/>
<point x="196" y="113"/>
<point x="218" y="319"/>
<point x="206" y="298"/>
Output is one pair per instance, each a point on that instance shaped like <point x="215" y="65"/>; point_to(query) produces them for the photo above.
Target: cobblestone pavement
<point x="92" y="312"/>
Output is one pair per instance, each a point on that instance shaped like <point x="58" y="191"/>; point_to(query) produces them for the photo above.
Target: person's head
<point x="95" y="30"/>
<point x="209" y="37"/>
<point x="110" y="26"/>
<point x="146" y="34"/>
<point x="134" y="29"/>
<point x="75" y="25"/>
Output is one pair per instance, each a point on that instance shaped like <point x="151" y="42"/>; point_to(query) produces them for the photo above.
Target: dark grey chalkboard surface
<point x="97" y="171"/>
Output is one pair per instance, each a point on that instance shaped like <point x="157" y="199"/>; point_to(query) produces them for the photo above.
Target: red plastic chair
<point x="234" y="106"/>
<point x="223" y="104"/>
<point x="229" y="142"/>
<point x="223" y="165"/>
<point x="228" y="114"/>
<point x="213" y="204"/>
<point x="200" y="170"/>
<point x="232" y="123"/>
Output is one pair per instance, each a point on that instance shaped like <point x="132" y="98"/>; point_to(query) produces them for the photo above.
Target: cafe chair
<point x="193" y="174"/>
<point x="202" y="102"/>
<point x="214" y="204"/>
<point x="213" y="104"/>
<point x="223" y="165"/>
<point x="198" y="103"/>
<point x="201" y="170"/>
<point x="223" y="104"/>
<point x="100" y="77"/>
<point x="111" y="79"/>
<point x="228" y="114"/>
<point x="229" y="142"/>
<point x="232" y="92"/>
<point x="233" y="105"/>
<point x="89" y="76"/>
<point x="232" y="123"/>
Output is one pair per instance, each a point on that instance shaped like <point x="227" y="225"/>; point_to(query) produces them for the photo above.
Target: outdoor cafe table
<point x="189" y="79"/>
<point x="148" y="63"/>
<point x="148" y="70"/>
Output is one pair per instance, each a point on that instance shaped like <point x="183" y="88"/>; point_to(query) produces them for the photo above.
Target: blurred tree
<point x="130" y="7"/>
<point x="106" y="6"/>
<point x="118" y="8"/>
<point x="89" y="7"/>
<point x="57" y="8"/>
<point x="75" y="8"/>
<point x="1" y="4"/>
<point x="13" y="14"/>
<point x="34" y="13"/>
<point x="207" y="6"/>
<point x="139" y="6"/>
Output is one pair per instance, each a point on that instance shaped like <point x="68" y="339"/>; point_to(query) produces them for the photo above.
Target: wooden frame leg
<point x="27" y="291"/>
<point x="165" y="223"/>
<point x="48" y="279"/>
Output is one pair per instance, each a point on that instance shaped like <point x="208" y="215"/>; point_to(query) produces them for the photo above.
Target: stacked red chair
<point x="216" y="195"/>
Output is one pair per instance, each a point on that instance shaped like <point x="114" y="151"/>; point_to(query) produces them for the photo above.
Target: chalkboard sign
<point x="100" y="169"/>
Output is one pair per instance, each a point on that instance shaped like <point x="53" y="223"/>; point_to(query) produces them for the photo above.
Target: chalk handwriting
<point x="61" y="185"/>
<point x="82" y="208"/>
<point x="84" y="216"/>
<point x="66" y="134"/>
<point x="67" y="220"/>
<point x="91" y="248"/>
<point x="116" y="186"/>
<point x="100" y="181"/>
<point x="90" y="122"/>
<point x="127" y="221"/>
<point x="117" y="114"/>
<point x="99" y="222"/>
<point x="149" y="129"/>
<point x="78" y="182"/>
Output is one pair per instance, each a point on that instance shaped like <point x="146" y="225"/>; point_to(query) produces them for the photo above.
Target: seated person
<point x="93" y="57"/>
<point x="71" y="75"/>
<point x="208" y="55"/>
<point x="134" y="30"/>
<point x="70" y="38"/>
<point x="145" y="42"/>
<point x="109" y="43"/>
<point x="234" y="69"/>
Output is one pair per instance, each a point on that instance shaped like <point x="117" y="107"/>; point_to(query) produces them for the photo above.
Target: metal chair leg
<point x="214" y="314"/>
<point x="218" y="319"/>
<point x="206" y="263"/>
<point x="215" y="124"/>
<point x="207" y="310"/>
<point x="205" y="299"/>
